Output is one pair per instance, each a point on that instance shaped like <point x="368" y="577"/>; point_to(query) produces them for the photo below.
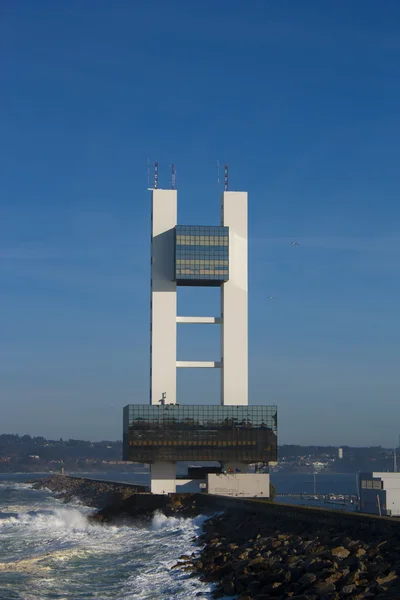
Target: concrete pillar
<point x="163" y="478"/>
<point x="234" y="328"/>
<point x="163" y="297"/>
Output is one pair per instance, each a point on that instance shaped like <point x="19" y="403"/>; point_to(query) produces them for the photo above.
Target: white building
<point x="229" y="432"/>
<point x="194" y="256"/>
<point x="380" y="493"/>
<point x="199" y="256"/>
<point x="239" y="485"/>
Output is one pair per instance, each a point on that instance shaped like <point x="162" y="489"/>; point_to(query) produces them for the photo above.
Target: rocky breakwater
<point x="91" y="492"/>
<point x="250" y="559"/>
<point x="116" y="502"/>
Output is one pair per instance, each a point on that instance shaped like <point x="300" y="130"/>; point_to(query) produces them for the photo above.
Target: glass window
<point x="198" y="251"/>
<point x="196" y="432"/>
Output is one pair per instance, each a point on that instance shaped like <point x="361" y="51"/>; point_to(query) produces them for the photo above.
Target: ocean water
<point x="325" y="483"/>
<point x="49" y="550"/>
<point x="320" y="483"/>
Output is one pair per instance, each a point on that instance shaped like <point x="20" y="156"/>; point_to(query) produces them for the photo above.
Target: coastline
<point x="252" y="560"/>
<point x="252" y="551"/>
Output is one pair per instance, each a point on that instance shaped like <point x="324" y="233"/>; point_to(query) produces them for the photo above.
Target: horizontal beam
<point x="201" y="320"/>
<point x="198" y="364"/>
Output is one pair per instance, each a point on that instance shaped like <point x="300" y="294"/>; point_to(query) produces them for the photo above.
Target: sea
<point x="49" y="550"/>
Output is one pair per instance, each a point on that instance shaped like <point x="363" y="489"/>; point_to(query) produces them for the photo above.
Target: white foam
<point x="64" y="553"/>
<point x="160" y="521"/>
<point x="55" y="520"/>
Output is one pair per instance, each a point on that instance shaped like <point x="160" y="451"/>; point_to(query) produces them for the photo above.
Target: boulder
<point x="340" y="552"/>
<point x="348" y="589"/>
<point x="391" y="577"/>
<point x="322" y="588"/>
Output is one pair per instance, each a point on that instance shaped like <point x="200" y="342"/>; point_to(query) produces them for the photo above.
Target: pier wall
<point x="301" y="518"/>
<point x="115" y="500"/>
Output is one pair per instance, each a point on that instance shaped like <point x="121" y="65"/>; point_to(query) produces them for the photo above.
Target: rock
<point x="254" y="588"/>
<point x="226" y="569"/>
<point x="334" y="577"/>
<point x="307" y="579"/>
<point x="321" y="565"/>
<point x="392" y="576"/>
<point x="324" y="588"/>
<point x="220" y="559"/>
<point x="249" y="558"/>
<point x="340" y="552"/>
<point x="229" y="588"/>
<point x="241" y="583"/>
<point x="380" y="567"/>
<point x="348" y="589"/>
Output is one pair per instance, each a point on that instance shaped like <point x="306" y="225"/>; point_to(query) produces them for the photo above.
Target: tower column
<point x="163" y="298"/>
<point x="234" y="304"/>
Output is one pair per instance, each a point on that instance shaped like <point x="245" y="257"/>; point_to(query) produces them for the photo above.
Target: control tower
<point x="232" y="432"/>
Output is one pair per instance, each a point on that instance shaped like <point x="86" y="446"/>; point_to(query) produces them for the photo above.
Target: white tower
<point x="233" y="319"/>
<point x="163" y="298"/>
<point x="197" y="256"/>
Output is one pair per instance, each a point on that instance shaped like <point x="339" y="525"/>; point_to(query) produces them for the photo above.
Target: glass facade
<point x="201" y="255"/>
<point x="199" y="432"/>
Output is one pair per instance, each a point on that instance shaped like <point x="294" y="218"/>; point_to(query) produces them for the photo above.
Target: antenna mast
<point x="226" y="178"/>
<point x="173" y="176"/>
<point x="156" y="175"/>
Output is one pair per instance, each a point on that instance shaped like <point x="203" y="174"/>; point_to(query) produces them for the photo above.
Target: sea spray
<point x="49" y="549"/>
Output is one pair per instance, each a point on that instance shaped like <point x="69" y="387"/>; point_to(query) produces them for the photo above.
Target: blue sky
<point x="301" y="99"/>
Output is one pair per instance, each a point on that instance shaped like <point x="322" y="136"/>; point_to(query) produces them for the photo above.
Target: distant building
<point x="340" y="453"/>
<point x="319" y="466"/>
<point x="380" y="493"/>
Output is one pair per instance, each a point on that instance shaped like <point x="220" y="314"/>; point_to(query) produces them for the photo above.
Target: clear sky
<point x="301" y="99"/>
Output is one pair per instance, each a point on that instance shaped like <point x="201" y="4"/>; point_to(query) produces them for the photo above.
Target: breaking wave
<point x="49" y="549"/>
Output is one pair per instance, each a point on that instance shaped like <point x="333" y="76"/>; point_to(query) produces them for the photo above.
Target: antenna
<point x="173" y="176"/>
<point x="394" y="461"/>
<point x="226" y="178"/>
<point x="156" y="175"/>
<point x="148" y="172"/>
<point x="218" y="173"/>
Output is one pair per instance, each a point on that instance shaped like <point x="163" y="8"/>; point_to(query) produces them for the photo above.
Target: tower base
<point x="163" y="478"/>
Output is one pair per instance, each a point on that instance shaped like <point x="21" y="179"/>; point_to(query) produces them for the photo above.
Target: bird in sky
<point x="294" y="244"/>
<point x="271" y="297"/>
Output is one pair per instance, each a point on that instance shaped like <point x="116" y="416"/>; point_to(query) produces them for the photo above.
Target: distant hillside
<point x="26" y="453"/>
<point x="33" y="453"/>
<point x="373" y="458"/>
